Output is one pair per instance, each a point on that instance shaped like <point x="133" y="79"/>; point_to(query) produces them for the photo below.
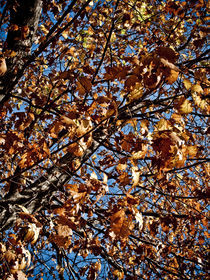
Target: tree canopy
<point x="103" y="139"/>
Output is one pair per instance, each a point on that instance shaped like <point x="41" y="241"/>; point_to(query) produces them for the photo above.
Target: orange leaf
<point x="187" y="84"/>
<point x="173" y="76"/>
<point x="62" y="220"/>
<point x="46" y="149"/>
<point x="184" y="106"/>
<point x="192" y="150"/>
<point x="117" y="220"/>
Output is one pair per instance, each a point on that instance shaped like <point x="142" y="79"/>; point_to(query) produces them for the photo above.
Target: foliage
<point x="103" y="141"/>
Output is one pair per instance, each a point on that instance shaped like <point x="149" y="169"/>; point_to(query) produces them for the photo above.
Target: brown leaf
<point x="64" y="230"/>
<point x="46" y="149"/>
<point x="131" y="199"/>
<point x="60" y="241"/>
<point x="67" y="121"/>
<point x="131" y="81"/>
<point x="169" y="65"/>
<point x="86" y="83"/>
<point x="63" y="220"/>
<point x="167" y="53"/>
<point x="183" y="106"/>
<point x="9" y="256"/>
<point x="172" y="77"/>
<point x="117" y="220"/>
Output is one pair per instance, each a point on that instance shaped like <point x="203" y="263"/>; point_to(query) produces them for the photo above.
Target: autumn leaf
<point x="192" y="150"/>
<point x="187" y="84"/>
<point x="84" y="85"/>
<point x="163" y="125"/>
<point x="135" y="175"/>
<point x="46" y="149"/>
<point x="116" y="221"/>
<point x="172" y="77"/>
<point x="103" y="139"/>
<point x="196" y="88"/>
<point x="167" y="53"/>
<point x="184" y="106"/>
<point x="67" y="121"/>
<point x="139" y="220"/>
<point x="118" y="274"/>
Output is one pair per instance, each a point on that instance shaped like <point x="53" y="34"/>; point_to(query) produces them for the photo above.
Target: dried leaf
<point x="187" y="84"/>
<point x="172" y="77"/>
<point x="197" y="88"/>
<point x="192" y="150"/>
<point x="135" y="175"/>
<point x="68" y="121"/>
<point x="139" y="220"/>
<point x="86" y="83"/>
<point x="163" y="125"/>
<point x="46" y="149"/>
<point x="167" y="53"/>
<point x="184" y="106"/>
<point x="117" y="220"/>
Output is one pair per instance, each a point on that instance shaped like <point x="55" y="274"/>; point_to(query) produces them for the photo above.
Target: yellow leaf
<point x="187" y="84"/>
<point x="163" y="125"/>
<point x="118" y="274"/>
<point x="44" y="29"/>
<point x="177" y="118"/>
<point x="23" y="160"/>
<point x="121" y="166"/>
<point x="201" y="103"/>
<point x="192" y="151"/>
<point x="12" y="54"/>
<point x="135" y="94"/>
<point x="72" y="51"/>
<point x="184" y="106"/>
<point x="65" y="34"/>
<point x="140" y="154"/>
<point x="197" y="88"/>
<point x="67" y="121"/>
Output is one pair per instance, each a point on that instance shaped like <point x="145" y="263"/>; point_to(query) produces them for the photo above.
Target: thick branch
<point x="24" y="18"/>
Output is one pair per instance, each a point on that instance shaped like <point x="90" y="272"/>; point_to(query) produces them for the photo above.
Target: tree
<point x="103" y="142"/>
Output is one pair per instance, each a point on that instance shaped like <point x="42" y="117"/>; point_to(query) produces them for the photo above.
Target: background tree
<point x="103" y="143"/>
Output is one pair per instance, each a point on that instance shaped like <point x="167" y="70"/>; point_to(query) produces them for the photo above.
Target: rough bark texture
<point x="39" y="194"/>
<point x="24" y="18"/>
